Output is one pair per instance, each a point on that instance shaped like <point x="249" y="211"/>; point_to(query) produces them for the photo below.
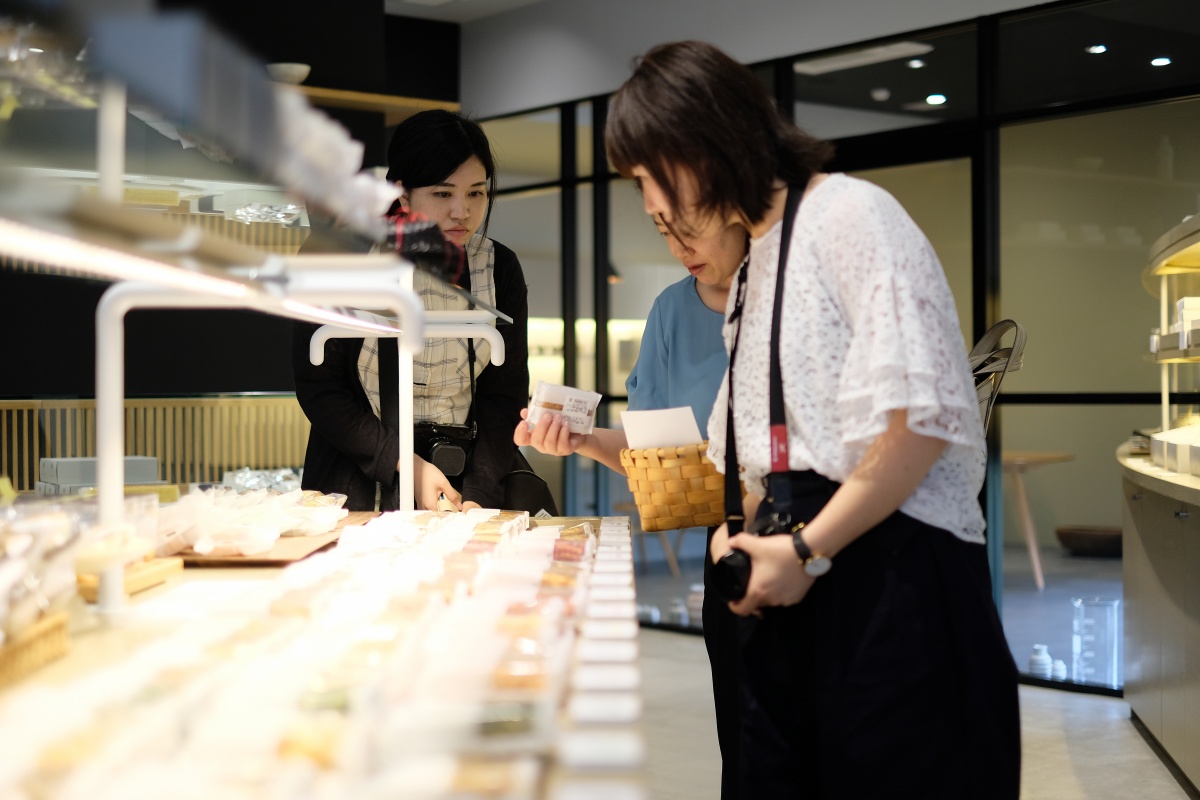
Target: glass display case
<point x="1161" y="532"/>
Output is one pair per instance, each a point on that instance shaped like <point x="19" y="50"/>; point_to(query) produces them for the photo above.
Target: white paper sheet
<point x="664" y="427"/>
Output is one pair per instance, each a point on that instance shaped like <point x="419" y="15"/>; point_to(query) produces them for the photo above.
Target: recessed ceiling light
<point x="1097" y="49"/>
<point x="881" y="94"/>
<point x="1161" y="61"/>
<point x="936" y="99"/>
<point x="915" y="63"/>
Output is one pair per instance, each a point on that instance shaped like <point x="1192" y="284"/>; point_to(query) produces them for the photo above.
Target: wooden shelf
<point x="394" y="108"/>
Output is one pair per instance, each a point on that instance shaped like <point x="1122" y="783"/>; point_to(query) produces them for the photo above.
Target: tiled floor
<point x="1074" y="746"/>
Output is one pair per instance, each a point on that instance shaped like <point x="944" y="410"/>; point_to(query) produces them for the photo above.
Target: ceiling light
<point x="1161" y="61"/>
<point x="1097" y="49"/>
<point x="881" y="94"/>
<point x="936" y="99"/>
<point x="859" y="58"/>
<point x="915" y="63"/>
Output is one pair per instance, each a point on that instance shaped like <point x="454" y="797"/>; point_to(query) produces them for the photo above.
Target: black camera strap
<point x="779" y="489"/>
<point x="471" y="372"/>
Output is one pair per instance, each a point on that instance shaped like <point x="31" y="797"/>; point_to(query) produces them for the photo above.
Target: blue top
<point x="682" y="358"/>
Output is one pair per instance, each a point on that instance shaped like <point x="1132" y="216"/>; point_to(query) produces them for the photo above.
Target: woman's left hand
<point x="776" y="577"/>
<point x="467" y="505"/>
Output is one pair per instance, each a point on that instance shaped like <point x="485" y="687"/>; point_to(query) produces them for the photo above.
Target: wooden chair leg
<point x="1031" y="542"/>
<point x="678" y="541"/>
<point x="669" y="553"/>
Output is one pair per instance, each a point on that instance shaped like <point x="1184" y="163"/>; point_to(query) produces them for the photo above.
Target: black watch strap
<point x="814" y="564"/>
<point x="803" y="552"/>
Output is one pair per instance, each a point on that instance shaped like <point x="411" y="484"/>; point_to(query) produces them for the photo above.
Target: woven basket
<point x="675" y="487"/>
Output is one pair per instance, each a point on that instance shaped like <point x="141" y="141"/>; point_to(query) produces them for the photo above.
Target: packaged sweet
<point x="570" y="550"/>
<point x="37" y="564"/>
<point x="576" y="406"/>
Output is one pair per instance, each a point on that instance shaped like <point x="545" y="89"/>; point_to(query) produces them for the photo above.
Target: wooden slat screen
<point x="196" y="440"/>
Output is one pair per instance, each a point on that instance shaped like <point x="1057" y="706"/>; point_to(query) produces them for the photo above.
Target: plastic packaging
<point x="577" y="407"/>
<point x="1095" y="640"/>
<point x="1040" y="662"/>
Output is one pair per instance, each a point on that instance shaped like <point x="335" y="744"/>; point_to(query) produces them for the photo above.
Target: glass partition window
<point x="642" y="268"/>
<point x="526" y="147"/>
<point x="583" y="140"/>
<point x="937" y="195"/>
<point x="1069" y="489"/>
<point x="1081" y="201"/>
<point x="1095" y="50"/>
<point x="918" y="80"/>
<point x="528" y="223"/>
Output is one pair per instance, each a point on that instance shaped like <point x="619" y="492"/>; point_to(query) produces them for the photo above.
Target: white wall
<point x="561" y="50"/>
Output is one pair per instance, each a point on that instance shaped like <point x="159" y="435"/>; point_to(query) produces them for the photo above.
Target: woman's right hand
<point x="550" y="436"/>
<point x="428" y="483"/>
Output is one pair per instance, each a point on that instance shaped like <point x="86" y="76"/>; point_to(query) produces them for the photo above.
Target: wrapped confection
<point x="298" y="602"/>
<point x="316" y="737"/>
<point x="561" y="575"/>
<point x="483" y="778"/>
<point x="507" y="718"/>
<point x="570" y="550"/>
<point x="581" y="531"/>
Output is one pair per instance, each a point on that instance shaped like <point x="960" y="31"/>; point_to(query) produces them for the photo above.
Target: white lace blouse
<point x="869" y="326"/>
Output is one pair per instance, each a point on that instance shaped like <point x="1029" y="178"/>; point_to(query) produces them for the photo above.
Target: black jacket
<point x="350" y="449"/>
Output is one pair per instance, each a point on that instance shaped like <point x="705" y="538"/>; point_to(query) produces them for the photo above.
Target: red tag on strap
<point x="779" y="448"/>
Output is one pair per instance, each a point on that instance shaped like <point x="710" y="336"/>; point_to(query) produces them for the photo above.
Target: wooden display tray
<point x="139" y="576"/>
<point x="287" y="549"/>
<point x="39" y="644"/>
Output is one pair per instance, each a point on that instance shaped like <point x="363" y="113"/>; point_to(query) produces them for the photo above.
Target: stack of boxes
<point x="74" y="475"/>
<point x="1187" y="321"/>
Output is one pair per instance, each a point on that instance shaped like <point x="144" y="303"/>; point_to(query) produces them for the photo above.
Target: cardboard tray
<point x="139" y="576"/>
<point x="287" y="549"/>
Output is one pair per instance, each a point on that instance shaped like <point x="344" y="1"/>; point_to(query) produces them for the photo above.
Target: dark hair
<point x="690" y="105"/>
<point x="429" y="146"/>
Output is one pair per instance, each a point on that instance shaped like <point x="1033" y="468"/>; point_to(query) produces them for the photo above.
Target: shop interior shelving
<point x="394" y="108"/>
<point x="1175" y="253"/>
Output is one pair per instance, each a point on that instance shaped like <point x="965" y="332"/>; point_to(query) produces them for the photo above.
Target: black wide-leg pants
<point x="722" y="642"/>
<point x="892" y="678"/>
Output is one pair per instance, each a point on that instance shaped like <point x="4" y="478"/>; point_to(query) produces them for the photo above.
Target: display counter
<point x="1161" y="555"/>
<point x="425" y="656"/>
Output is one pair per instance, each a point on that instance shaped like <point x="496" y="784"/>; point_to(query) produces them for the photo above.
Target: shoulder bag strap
<point x="778" y="488"/>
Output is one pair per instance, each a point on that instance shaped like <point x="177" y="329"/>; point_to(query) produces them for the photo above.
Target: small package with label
<point x="577" y="407"/>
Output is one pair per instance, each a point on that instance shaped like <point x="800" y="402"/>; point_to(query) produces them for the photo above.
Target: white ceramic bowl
<point x="288" y="72"/>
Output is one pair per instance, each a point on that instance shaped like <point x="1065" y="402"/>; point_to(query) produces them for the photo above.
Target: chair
<point x="990" y="363"/>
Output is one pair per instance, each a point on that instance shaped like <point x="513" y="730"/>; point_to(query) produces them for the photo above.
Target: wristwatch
<point x="814" y="564"/>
